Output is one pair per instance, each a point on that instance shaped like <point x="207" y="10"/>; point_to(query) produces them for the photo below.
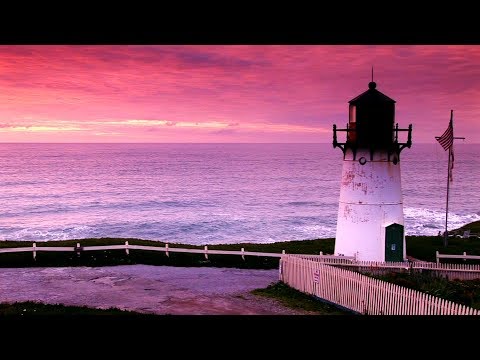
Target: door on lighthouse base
<point x="394" y="242"/>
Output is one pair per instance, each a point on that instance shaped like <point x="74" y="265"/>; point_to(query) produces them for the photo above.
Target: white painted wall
<point x="370" y="200"/>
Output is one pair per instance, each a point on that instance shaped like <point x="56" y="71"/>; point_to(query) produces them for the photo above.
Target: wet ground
<point x="144" y="288"/>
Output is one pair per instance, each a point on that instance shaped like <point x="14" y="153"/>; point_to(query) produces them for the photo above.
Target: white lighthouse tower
<point x="370" y="212"/>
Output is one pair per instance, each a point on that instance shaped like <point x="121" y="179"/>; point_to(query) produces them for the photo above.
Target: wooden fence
<point x="452" y="271"/>
<point x="464" y="256"/>
<point x="166" y="249"/>
<point x="360" y="293"/>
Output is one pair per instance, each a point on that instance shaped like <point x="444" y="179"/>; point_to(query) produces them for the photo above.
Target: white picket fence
<point x="360" y="293"/>
<point x="452" y="271"/>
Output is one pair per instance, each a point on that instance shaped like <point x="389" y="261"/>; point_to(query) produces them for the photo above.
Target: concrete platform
<point x="144" y="288"/>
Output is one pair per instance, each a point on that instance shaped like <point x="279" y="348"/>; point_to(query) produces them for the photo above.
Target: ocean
<point x="211" y="193"/>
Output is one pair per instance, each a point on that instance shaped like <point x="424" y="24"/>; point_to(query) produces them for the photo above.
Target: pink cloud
<point x="259" y="89"/>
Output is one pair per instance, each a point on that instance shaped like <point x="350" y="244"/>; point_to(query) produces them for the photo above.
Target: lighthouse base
<point x="370" y="212"/>
<point x="371" y="241"/>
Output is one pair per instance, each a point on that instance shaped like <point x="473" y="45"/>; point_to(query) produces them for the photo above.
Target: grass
<point x="119" y="257"/>
<point x="30" y="308"/>
<point x="293" y="247"/>
<point x="474" y="227"/>
<point x="424" y="247"/>
<point x="297" y="300"/>
<point x="419" y="247"/>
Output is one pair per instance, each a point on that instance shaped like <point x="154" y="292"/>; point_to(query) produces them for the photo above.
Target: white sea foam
<point x="316" y="231"/>
<point x="419" y="221"/>
<point x="29" y="234"/>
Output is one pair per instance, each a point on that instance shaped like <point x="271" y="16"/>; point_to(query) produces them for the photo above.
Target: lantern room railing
<point x="351" y="143"/>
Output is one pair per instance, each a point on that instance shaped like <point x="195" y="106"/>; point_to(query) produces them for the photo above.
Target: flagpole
<point x="447" y="140"/>
<point x="445" y="241"/>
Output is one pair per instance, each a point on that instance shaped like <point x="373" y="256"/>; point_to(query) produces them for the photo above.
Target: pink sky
<point x="229" y="93"/>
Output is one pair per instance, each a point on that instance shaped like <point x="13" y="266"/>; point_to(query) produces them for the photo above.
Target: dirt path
<point x="144" y="288"/>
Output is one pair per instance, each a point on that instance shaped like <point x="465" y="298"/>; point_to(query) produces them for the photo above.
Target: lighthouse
<point x="370" y="223"/>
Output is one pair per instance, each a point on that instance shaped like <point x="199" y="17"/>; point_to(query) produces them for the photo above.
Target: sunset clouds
<point x="228" y="93"/>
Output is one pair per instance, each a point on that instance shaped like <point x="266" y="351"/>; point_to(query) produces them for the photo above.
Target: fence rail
<point x="464" y="256"/>
<point x="452" y="271"/>
<point x="360" y="293"/>
<point x="127" y="247"/>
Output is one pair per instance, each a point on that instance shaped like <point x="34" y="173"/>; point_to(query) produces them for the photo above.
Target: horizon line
<point x="203" y="143"/>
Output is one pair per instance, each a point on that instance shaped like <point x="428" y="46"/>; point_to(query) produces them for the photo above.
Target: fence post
<point x="206" y="252"/>
<point x="166" y="250"/>
<point x="243" y="253"/>
<point x="436" y="255"/>
<point x="280" y="269"/>
<point x="34" y="251"/>
<point x="126" y="248"/>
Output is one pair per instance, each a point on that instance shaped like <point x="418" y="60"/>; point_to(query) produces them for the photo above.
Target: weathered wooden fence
<point x="361" y="293"/>
<point x="452" y="271"/>
<point x="166" y="249"/>
<point x="464" y="256"/>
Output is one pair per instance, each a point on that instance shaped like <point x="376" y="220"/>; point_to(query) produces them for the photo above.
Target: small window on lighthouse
<point x="353" y="114"/>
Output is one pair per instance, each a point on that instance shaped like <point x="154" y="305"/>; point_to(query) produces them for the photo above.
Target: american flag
<point x="446" y="140"/>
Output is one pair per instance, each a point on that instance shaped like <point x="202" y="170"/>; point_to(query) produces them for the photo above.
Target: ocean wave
<point x="421" y="221"/>
<point x="303" y="203"/>
<point x="32" y="234"/>
<point x="206" y="194"/>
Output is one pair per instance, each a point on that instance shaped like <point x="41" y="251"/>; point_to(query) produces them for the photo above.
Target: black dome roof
<point x="372" y="95"/>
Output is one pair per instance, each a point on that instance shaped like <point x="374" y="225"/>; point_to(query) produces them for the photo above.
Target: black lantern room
<point x="372" y="116"/>
<point x="371" y="125"/>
